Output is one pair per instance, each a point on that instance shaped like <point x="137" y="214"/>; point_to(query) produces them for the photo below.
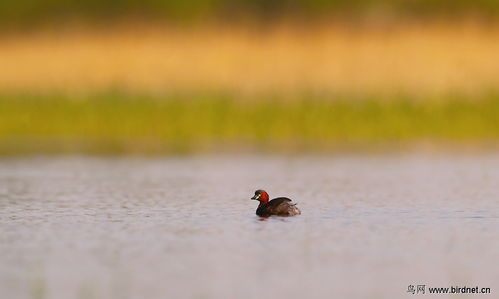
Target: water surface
<point x="81" y="227"/>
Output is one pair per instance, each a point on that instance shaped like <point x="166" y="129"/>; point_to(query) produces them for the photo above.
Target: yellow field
<point x="422" y="59"/>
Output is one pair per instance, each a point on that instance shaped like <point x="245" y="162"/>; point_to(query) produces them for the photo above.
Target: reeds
<point x="288" y="59"/>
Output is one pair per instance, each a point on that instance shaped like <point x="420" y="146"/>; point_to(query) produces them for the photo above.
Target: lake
<point x="185" y="227"/>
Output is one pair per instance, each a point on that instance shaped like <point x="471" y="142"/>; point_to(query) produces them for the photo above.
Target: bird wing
<point x="278" y="201"/>
<point x="280" y="205"/>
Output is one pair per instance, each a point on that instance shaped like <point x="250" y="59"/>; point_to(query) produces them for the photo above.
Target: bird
<point x="280" y="206"/>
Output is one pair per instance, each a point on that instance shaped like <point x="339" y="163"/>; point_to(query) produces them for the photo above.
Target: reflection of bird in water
<point x="280" y="206"/>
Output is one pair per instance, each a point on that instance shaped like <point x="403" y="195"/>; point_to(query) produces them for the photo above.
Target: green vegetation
<point x="29" y="11"/>
<point x="115" y="123"/>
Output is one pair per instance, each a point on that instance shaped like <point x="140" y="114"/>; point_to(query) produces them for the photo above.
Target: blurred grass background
<point x="33" y="11"/>
<point x="169" y="77"/>
<point x="286" y="58"/>
<point x="115" y="123"/>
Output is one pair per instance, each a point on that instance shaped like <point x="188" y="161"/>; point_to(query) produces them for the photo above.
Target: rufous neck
<point x="264" y="198"/>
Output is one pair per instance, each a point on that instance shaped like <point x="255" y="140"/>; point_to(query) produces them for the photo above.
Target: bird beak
<point x="256" y="197"/>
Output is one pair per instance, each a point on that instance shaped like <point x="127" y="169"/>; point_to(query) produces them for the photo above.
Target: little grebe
<point x="280" y="206"/>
